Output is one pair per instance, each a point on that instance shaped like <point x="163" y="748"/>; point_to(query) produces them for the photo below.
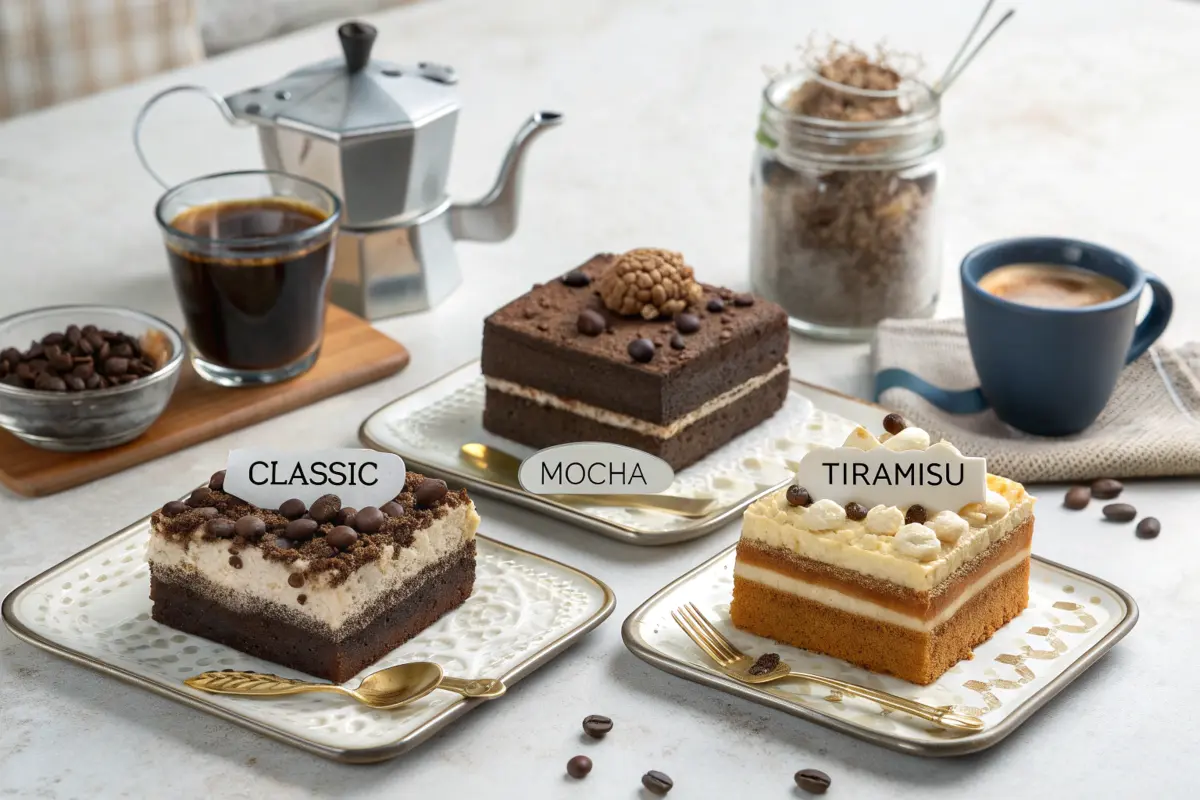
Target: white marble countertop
<point x="1078" y="121"/>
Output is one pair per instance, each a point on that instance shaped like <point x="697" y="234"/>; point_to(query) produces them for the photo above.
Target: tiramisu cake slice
<point x="908" y="591"/>
<point x="325" y="590"/>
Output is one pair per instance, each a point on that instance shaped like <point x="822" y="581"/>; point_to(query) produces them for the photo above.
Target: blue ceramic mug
<point x="1046" y="371"/>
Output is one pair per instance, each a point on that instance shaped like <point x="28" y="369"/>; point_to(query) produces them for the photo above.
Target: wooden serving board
<point x="352" y="354"/>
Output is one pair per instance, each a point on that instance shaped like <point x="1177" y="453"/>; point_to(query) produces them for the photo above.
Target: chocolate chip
<point x="392" y="509"/>
<point x="200" y="496"/>
<point x="1148" y="528"/>
<point x="1118" y="512"/>
<point x="856" y="511"/>
<point x="235" y="562"/>
<point x="295" y="580"/>
<point x="342" y="537"/>
<point x="250" y="527"/>
<point x="764" y="664"/>
<point x="743" y="300"/>
<point x="677" y="342"/>
<point x="813" y="781"/>
<point x="220" y="528"/>
<point x="293" y="509"/>
<point x="346" y="516"/>
<point x="641" y="350"/>
<point x="915" y="513"/>
<point x="657" y="782"/>
<point x="715" y="305"/>
<point x="369" y="519"/>
<point x="217" y="481"/>
<point x="1077" y="497"/>
<point x="325" y="508"/>
<point x="687" y="323"/>
<point x="579" y="767"/>
<point x="301" y="530"/>
<point x="430" y="492"/>
<point x="590" y="323"/>
<point x="894" y="423"/>
<point x="576" y="279"/>
<point x="798" y="496"/>
<point x="596" y="726"/>
<point x="174" y="508"/>
<point x="1106" y="488"/>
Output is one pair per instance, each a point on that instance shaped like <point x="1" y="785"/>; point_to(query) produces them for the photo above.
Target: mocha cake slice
<point x="324" y="590"/>
<point x="563" y="365"/>
<point x="904" y="591"/>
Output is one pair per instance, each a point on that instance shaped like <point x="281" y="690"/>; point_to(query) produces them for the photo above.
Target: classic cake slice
<point x="325" y="590"/>
<point x="632" y="350"/>
<point x="905" y="591"/>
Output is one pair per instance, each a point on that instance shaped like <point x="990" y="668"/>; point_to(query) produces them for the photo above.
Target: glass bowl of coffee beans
<point x="84" y="377"/>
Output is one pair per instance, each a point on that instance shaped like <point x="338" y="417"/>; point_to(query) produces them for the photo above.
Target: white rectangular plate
<point x="427" y="428"/>
<point x="94" y="608"/>
<point x="1072" y="619"/>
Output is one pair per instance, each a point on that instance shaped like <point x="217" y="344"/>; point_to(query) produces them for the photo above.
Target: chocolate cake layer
<point x="268" y="633"/>
<point x="536" y="425"/>
<point x="534" y="342"/>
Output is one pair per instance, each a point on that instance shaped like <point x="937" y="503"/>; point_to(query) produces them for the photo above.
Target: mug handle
<point x="216" y="100"/>
<point x="964" y="401"/>
<point x="1152" y="327"/>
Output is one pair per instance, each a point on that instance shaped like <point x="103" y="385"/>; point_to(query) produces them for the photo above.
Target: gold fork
<point x="736" y="665"/>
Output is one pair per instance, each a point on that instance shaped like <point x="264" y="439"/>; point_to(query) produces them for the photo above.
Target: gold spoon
<point x="503" y="467"/>
<point x="386" y="689"/>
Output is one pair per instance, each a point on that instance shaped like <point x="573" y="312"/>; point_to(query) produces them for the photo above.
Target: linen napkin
<point x="1150" y="427"/>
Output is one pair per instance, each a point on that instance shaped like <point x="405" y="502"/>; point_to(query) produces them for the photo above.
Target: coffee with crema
<point x="1051" y="285"/>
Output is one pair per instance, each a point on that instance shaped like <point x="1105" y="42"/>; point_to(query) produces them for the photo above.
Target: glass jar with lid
<point x="845" y="227"/>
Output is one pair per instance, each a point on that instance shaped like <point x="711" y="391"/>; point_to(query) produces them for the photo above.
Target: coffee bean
<point x="894" y="423"/>
<point x="293" y="509"/>
<point x="369" y="519"/>
<point x="579" y="767"/>
<point x="116" y="366"/>
<point x="13" y="380"/>
<point x="342" y="537"/>
<point x="597" y="726"/>
<point x="93" y="381"/>
<point x="657" y="782"/>
<point x="84" y="370"/>
<point x="74" y="384"/>
<point x="122" y="350"/>
<point x="677" y="342"/>
<point x="430" y="492"/>
<point x="206" y="512"/>
<point x="250" y="527"/>
<point x="295" y="580"/>
<point x="856" y="511"/>
<point x="1148" y="528"/>
<point x="813" y="781"/>
<point x="744" y="300"/>
<point x="576" y="279"/>
<point x="346" y="516"/>
<point x="62" y="362"/>
<point x="73" y="335"/>
<point x="1077" y="497"/>
<point x="174" y="509"/>
<point x="1119" y="512"/>
<point x="590" y="323"/>
<point x="85" y="347"/>
<point x="52" y="338"/>
<point x="49" y="383"/>
<point x="217" y="481"/>
<point x="392" y="509"/>
<point x="301" y="530"/>
<point x="798" y="496"/>
<point x="915" y="513"/>
<point x="200" y="496"/>
<point x="235" y="562"/>
<point x="219" y="527"/>
<point x="715" y="305"/>
<point x="325" y="508"/>
<point x="641" y="350"/>
<point x="10" y="354"/>
<point x="687" y="323"/>
<point x="1106" y="488"/>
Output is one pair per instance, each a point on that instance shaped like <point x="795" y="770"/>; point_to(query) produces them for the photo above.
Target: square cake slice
<point x="324" y="590"/>
<point x="903" y="591"/>
<point x="577" y="360"/>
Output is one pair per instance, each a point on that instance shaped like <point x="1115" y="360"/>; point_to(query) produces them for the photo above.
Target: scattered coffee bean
<point x="764" y="664"/>
<point x="235" y="562"/>
<point x="798" y="496"/>
<point x="813" y="781"/>
<point x="596" y="726"/>
<point x="1106" y="488"/>
<point x="301" y="599"/>
<point x="430" y="492"/>
<point x="206" y="512"/>
<point x="293" y="509"/>
<point x="295" y="580"/>
<point x="391" y="508"/>
<point x="641" y="350"/>
<point x="743" y="300"/>
<point x="301" y="530"/>
<point x="657" y="782"/>
<point x="856" y="511"/>
<point x="250" y="527"/>
<point x="915" y="513"/>
<point x="219" y="528"/>
<point x="174" y="508"/>
<point x="346" y="516"/>
<point x="217" y="481"/>
<point x="1148" y="528"/>
<point x="590" y="323"/>
<point x="677" y="342"/>
<point x="369" y="519"/>
<point x="687" y="323"/>
<point x="1077" y="497"/>
<point x="325" y="508"/>
<point x="894" y="423"/>
<point x="576" y="279"/>
<point x="201" y="496"/>
<point x="715" y="305"/>
<point x="1119" y="512"/>
<point x="579" y="767"/>
<point x="342" y="537"/>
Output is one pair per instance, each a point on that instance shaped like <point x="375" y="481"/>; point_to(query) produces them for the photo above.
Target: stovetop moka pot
<point x="380" y="135"/>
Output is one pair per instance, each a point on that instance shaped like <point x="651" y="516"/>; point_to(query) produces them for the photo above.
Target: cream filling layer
<point x="865" y="608"/>
<point x="259" y="580"/>
<point x="616" y="420"/>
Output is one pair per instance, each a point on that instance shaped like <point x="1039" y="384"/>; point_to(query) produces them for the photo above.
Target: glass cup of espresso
<point x="251" y="253"/>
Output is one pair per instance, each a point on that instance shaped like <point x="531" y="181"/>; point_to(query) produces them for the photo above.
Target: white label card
<point x="938" y="478"/>
<point x="359" y="478"/>
<point x="594" y="468"/>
